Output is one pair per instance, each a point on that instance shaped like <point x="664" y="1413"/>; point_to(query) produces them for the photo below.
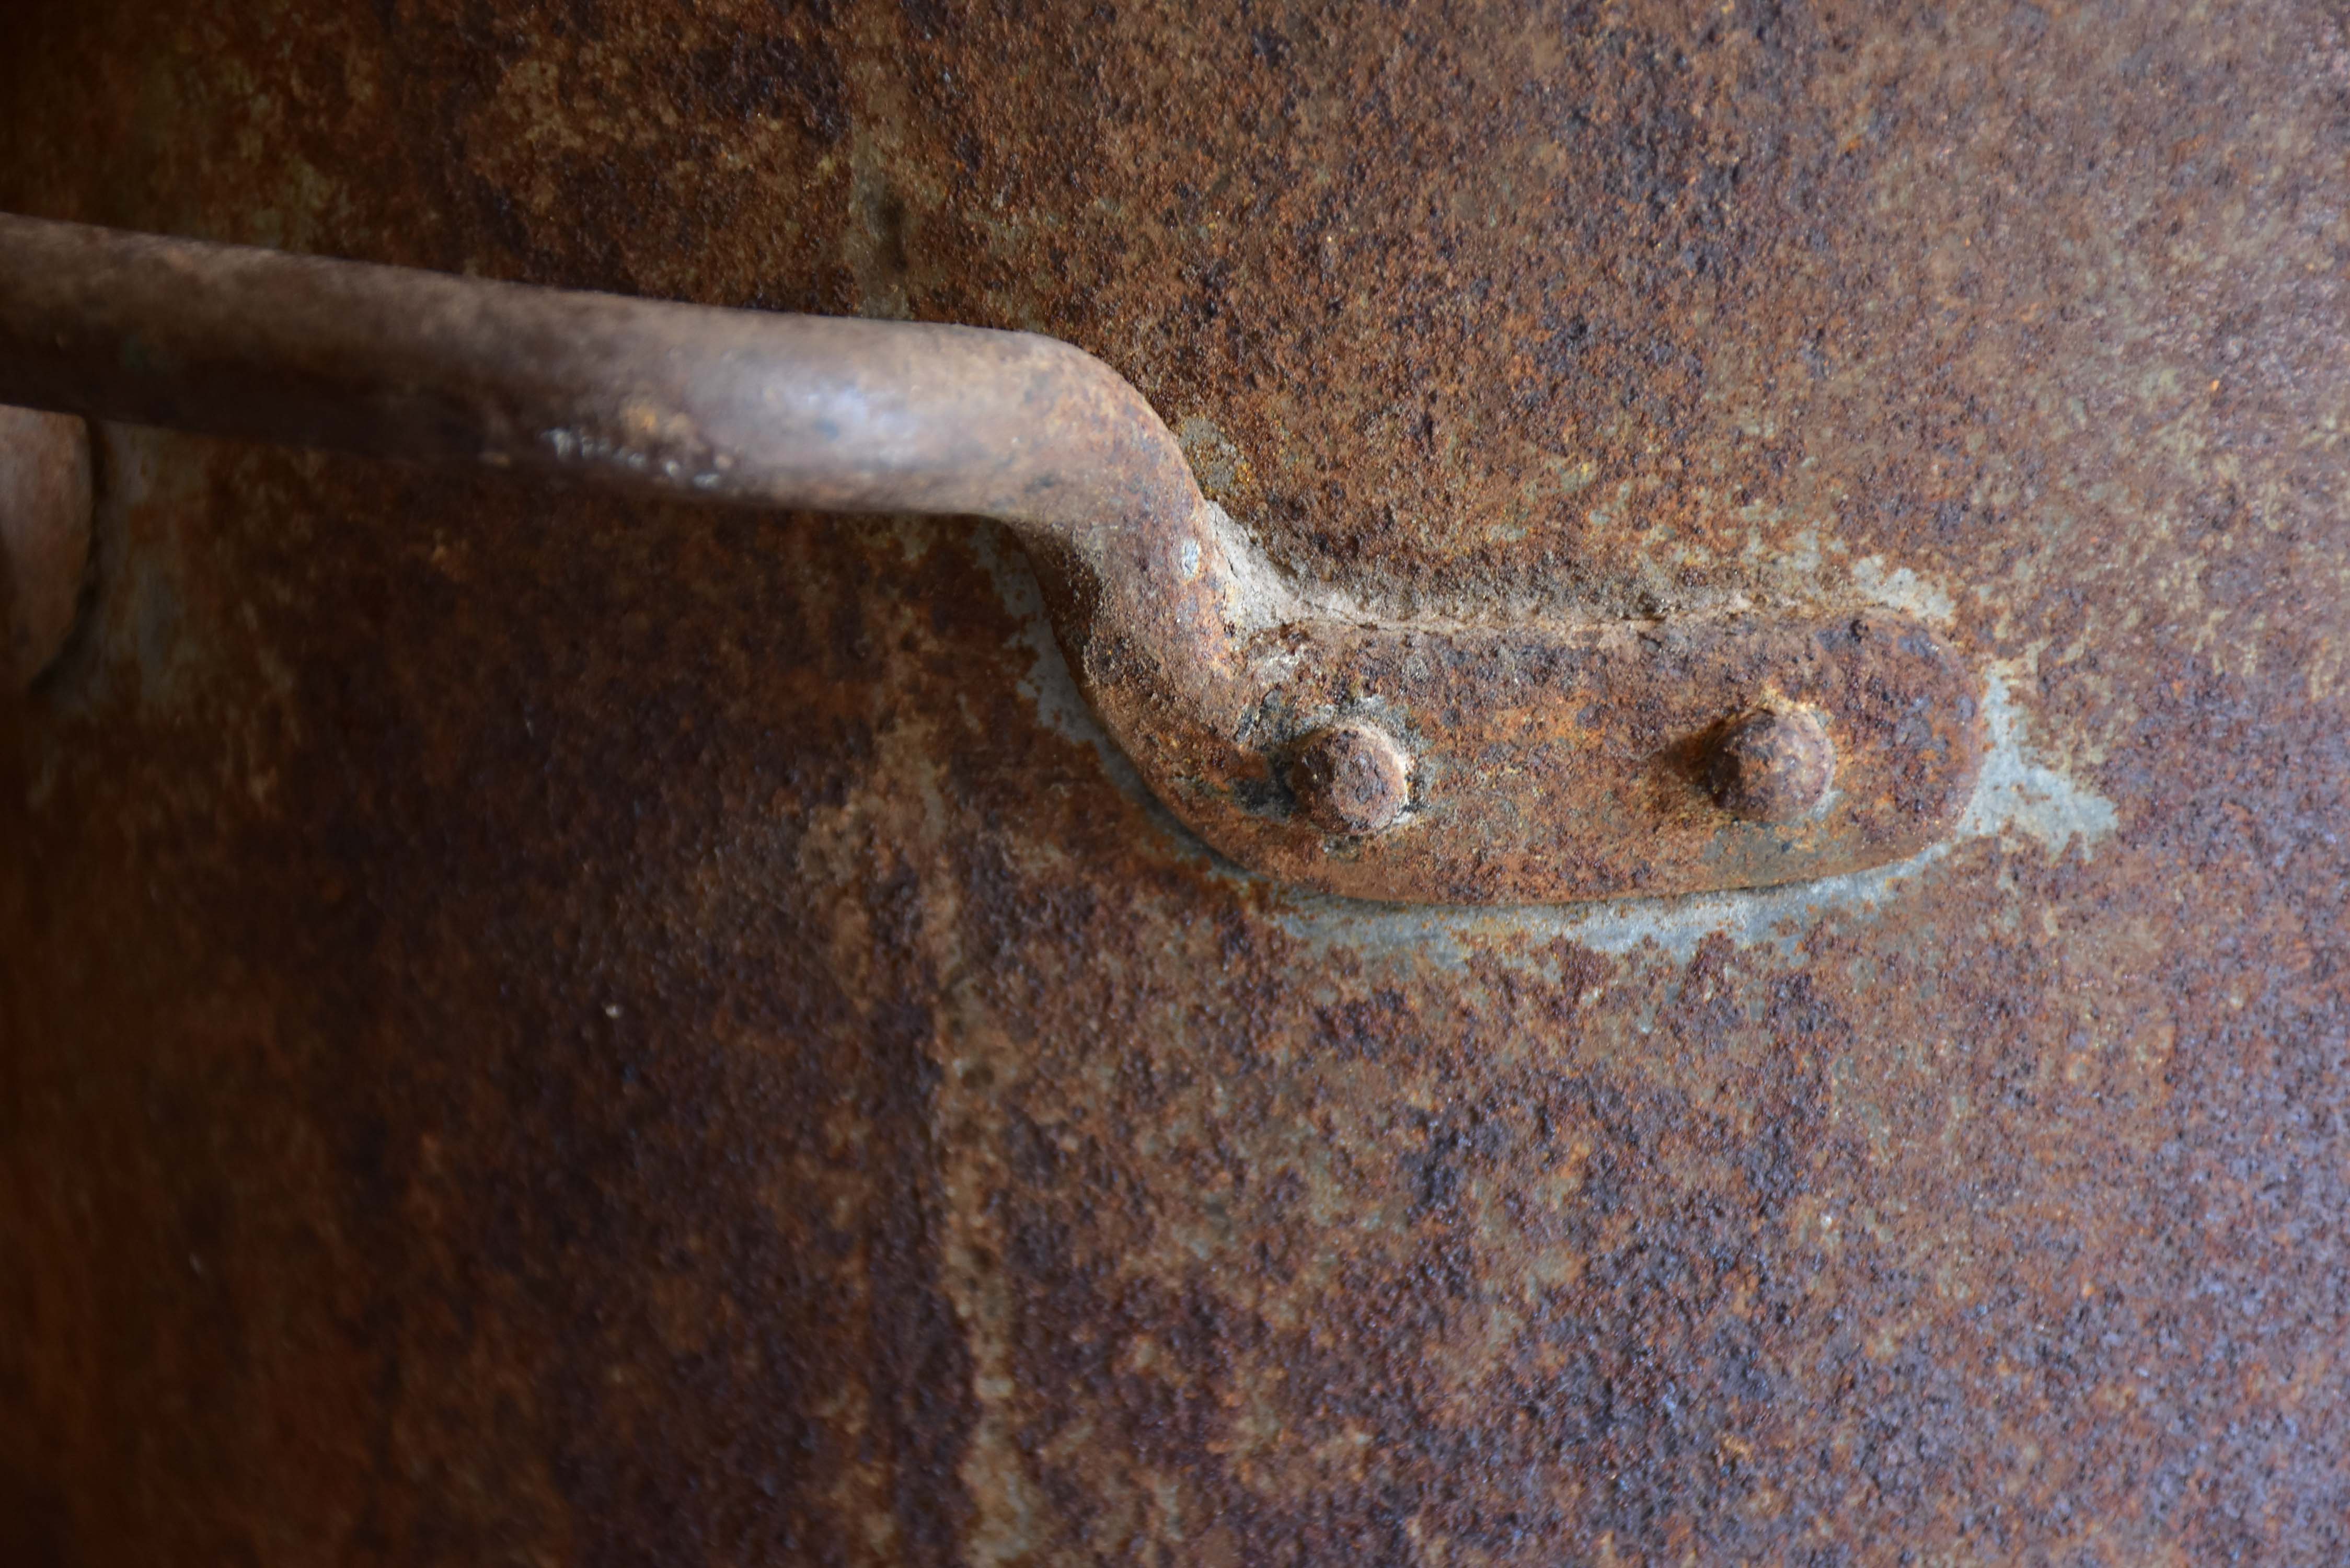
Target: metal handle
<point x="1432" y="762"/>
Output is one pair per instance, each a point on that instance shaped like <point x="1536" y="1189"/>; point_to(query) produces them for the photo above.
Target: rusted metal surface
<point x="1552" y="760"/>
<point x="497" y="1066"/>
<point x="45" y="503"/>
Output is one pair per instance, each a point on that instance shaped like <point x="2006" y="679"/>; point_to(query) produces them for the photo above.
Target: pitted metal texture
<point x="493" y="1067"/>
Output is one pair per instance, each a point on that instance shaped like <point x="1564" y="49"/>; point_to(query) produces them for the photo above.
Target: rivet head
<point x="1352" y="778"/>
<point x="1773" y="765"/>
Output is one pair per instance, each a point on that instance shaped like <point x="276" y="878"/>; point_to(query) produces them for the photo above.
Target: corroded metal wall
<point x="541" y="1028"/>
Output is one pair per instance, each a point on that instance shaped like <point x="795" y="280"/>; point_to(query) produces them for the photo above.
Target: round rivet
<point x="1773" y="765"/>
<point x="1352" y="778"/>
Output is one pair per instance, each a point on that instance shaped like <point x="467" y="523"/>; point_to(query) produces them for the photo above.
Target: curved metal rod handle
<point x="1428" y="764"/>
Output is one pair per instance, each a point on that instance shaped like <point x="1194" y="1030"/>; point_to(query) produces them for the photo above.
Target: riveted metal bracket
<point x="1411" y="762"/>
<point x="1564" y="761"/>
